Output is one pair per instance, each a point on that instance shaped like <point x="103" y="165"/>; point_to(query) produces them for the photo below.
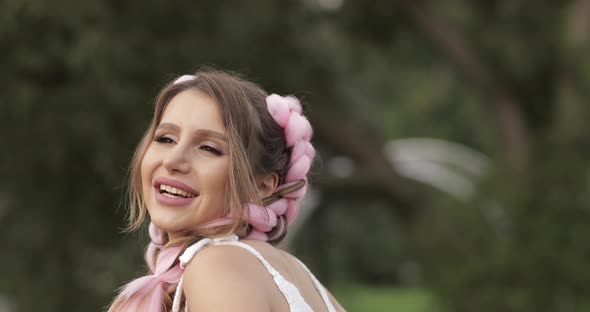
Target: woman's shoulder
<point x="220" y="272"/>
<point x="243" y="260"/>
<point x="219" y="259"/>
<point x="224" y="271"/>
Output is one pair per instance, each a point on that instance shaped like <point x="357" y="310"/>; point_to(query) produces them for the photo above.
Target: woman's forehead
<point x="192" y="110"/>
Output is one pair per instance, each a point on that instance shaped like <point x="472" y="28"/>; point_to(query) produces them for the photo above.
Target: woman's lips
<point x="174" y="183"/>
<point x="173" y="200"/>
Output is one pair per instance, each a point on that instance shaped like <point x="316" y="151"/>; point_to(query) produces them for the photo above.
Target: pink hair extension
<point x="147" y="292"/>
<point x="286" y="111"/>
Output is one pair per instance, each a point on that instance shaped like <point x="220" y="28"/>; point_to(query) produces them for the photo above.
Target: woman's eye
<point x="210" y="149"/>
<point x="163" y="139"/>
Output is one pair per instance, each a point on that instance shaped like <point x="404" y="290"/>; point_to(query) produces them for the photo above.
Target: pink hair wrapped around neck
<point x="146" y="293"/>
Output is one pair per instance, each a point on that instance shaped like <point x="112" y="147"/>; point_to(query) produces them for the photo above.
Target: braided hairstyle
<point x="266" y="134"/>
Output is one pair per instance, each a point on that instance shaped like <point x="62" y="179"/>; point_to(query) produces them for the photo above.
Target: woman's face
<point x="185" y="169"/>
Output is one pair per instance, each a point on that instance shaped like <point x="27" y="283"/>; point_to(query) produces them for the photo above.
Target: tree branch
<point x="508" y="116"/>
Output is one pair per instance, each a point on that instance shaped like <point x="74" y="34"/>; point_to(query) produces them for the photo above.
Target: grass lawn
<point x="375" y="299"/>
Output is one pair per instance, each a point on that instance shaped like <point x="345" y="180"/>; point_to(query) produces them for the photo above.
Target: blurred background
<point x="453" y="138"/>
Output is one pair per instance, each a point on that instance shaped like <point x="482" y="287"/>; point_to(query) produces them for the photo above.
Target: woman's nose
<point x="176" y="160"/>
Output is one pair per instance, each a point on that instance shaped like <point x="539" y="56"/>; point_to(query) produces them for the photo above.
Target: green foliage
<point x="383" y="299"/>
<point x="527" y="253"/>
<point x="344" y="242"/>
<point x="522" y="243"/>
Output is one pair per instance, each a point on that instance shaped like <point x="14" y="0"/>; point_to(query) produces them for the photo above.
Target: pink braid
<point x="286" y="111"/>
<point x="147" y="293"/>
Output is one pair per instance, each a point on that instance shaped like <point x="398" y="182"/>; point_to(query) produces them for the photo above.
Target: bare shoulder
<point x="230" y="278"/>
<point x="225" y="278"/>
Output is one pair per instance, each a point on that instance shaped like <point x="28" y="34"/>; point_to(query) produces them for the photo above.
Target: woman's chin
<point x="180" y="219"/>
<point x="166" y="221"/>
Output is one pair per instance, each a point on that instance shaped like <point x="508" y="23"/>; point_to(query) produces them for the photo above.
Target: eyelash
<point x="165" y="140"/>
<point x="210" y="150"/>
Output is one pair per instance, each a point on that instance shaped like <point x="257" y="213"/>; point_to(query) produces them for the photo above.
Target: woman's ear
<point x="267" y="184"/>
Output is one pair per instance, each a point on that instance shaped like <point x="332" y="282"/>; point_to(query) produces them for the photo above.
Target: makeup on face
<point x="185" y="170"/>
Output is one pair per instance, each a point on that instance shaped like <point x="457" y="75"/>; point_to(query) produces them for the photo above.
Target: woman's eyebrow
<point x="168" y="126"/>
<point x="212" y="134"/>
<point x="200" y="132"/>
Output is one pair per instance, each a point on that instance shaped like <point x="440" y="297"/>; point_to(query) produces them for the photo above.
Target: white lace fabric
<point x="289" y="291"/>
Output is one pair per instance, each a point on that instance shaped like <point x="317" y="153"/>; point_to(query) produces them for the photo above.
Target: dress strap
<point x="321" y="289"/>
<point x="187" y="256"/>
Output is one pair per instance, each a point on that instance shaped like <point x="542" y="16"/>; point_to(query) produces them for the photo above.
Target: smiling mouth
<point x="173" y="192"/>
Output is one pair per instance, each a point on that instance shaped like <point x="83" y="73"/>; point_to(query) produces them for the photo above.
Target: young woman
<point x="220" y="171"/>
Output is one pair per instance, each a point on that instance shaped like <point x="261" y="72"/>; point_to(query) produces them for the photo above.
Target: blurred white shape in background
<point x="450" y="167"/>
<point x="447" y="166"/>
<point x="330" y="5"/>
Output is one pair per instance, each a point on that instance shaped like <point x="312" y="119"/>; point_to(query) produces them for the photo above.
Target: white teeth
<point x="172" y="190"/>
